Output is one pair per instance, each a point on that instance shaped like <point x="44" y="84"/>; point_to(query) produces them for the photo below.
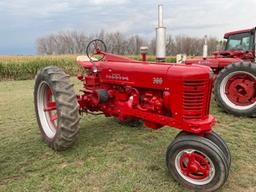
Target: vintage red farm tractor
<point x="159" y="94"/>
<point x="235" y="73"/>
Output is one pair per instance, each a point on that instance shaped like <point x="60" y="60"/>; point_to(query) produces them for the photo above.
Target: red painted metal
<point x="50" y="107"/>
<point x="227" y="35"/>
<point x="221" y="59"/>
<point x="158" y="93"/>
<point x="240" y="89"/>
<point x="194" y="165"/>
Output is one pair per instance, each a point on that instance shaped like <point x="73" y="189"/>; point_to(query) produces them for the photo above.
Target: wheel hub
<point x="50" y="107"/>
<point x="240" y="89"/>
<point x="47" y="110"/>
<point x="194" y="166"/>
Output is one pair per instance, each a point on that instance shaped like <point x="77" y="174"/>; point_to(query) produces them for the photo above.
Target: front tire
<point x="235" y="89"/>
<point x="197" y="163"/>
<point x="56" y="107"/>
<point x="216" y="139"/>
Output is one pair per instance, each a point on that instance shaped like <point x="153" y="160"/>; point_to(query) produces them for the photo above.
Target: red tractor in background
<point x="235" y="73"/>
<point x="159" y="94"/>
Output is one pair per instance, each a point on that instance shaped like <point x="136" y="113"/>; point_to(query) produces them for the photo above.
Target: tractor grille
<point x="195" y="99"/>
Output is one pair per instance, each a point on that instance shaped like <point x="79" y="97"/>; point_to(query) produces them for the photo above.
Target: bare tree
<point x="74" y="42"/>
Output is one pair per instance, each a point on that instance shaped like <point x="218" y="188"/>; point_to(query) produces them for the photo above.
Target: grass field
<point x="108" y="157"/>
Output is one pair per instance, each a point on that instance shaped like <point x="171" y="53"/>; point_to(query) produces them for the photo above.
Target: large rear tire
<point x="57" y="110"/>
<point x="235" y="89"/>
<point x="197" y="163"/>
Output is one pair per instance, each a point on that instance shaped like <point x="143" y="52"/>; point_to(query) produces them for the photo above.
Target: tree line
<point x="74" y="42"/>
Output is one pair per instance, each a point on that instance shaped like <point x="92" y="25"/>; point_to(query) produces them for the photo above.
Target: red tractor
<point x="235" y="71"/>
<point x="156" y="93"/>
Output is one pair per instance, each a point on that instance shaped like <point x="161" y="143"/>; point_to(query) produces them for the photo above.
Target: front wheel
<point x="56" y="108"/>
<point x="235" y="89"/>
<point x="216" y="139"/>
<point x="197" y="163"/>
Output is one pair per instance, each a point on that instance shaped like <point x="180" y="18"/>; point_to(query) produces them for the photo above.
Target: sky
<point x="24" y="21"/>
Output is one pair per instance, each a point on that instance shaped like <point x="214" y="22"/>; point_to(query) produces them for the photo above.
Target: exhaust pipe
<point x="205" y="49"/>
<point x="160" y="37"/>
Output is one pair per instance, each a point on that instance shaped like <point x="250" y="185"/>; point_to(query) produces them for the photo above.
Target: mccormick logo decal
<point x="116" y="76"/>
<point x="157" y="80"/>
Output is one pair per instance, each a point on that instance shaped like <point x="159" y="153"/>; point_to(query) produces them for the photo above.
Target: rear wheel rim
<point x="46" y="106"/>
<point x="194" y="166"/>
<point x="238" y="90"/>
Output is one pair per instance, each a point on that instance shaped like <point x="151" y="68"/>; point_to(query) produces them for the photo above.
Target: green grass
<point x="108" y="157"/>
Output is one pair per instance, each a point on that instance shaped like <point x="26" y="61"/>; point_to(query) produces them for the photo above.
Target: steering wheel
<point x="94" y="50"/>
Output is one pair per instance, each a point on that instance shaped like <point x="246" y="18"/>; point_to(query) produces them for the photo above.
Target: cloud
<point x="35" y="8"/>
<point x="24" y="21"/>
<point x="107" y="2"/>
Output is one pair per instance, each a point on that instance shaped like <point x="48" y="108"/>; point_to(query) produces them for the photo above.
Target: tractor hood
<point x="213" y="62"/>
<point x="150" y="75"/>
<point x="220" y="59"/>
<point x="245" y="55"/>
